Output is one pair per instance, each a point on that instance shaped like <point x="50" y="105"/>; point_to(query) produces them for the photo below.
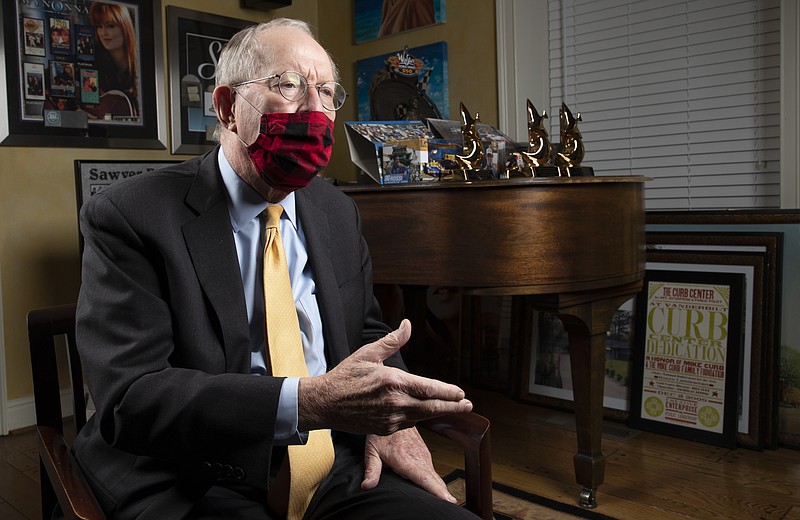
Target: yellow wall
<point x="39" y="258"/>
<point x="469" y="31"/>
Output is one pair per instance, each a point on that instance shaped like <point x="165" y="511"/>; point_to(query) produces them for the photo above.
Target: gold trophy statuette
<point x="571" y="153"/>
<point x="537" y="158"/>
<point x="472" y="160"/>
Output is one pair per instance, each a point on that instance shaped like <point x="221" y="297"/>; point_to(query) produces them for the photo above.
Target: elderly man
<point x="202" y="410"/>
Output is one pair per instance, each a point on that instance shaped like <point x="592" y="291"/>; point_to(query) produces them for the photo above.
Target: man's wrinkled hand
<point x="406" y="454"/>
<point x="361" y="395"/>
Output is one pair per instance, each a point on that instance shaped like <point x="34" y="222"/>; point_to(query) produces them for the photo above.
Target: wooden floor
<point x="648" y="476"/>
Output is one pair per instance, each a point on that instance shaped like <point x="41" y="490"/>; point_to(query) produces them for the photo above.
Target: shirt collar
<point x="244" y="203"/>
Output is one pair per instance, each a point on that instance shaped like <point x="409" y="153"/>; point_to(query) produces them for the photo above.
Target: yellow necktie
<point x="308" y="463"/>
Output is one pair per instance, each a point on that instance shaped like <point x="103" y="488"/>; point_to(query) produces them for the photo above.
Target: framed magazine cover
<point x="71" y="83"/>
<point x="686" y="369"/>
<point x="195" y="42"/>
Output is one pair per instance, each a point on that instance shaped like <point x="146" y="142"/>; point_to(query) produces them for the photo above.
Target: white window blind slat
<point x="682" y="91"/>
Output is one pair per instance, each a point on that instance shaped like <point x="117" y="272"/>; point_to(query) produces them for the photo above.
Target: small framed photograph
<point x="62" y="79"/>
<point x="195" y="42"/>
<point x="34" y="81"/>
<point x="688" y="339"/>
<point x="84" y="43"/>
<point x="33" y="36"/>
<point x="60" y="36"/>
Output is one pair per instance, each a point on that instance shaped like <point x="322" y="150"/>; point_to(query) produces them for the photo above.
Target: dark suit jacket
<point x="163" y="334"/>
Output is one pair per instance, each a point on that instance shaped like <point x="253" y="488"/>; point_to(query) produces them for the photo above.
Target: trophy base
<point x="516" y="173"/>
<point x="579" y="171"/>
<point x="478" y="175"/>
<point x="545" y="171"/>
<point x="452" y="175"/>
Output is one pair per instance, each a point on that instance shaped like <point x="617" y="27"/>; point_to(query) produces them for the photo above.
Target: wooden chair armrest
<point x="471" y="431"/>
<point x="74" y="494"/>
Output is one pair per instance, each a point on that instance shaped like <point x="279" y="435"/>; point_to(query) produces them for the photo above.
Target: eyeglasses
<point x="293" y="86"/>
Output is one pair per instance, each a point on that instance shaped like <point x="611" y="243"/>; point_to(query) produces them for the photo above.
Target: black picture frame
<point x="686" y="370"/>
<point x="782" y="427"/>
<point x="91" y="177"/>
<point x="759" y="253"/>
<point x="62" y="115"/>
<point x="195" y="40"/>
<point x="546" y="379"/>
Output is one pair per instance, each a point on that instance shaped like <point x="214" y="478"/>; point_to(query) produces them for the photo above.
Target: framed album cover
<point x="195" y="42"/>
<point x="82" y="73"/>
<point x="686" y="361"/>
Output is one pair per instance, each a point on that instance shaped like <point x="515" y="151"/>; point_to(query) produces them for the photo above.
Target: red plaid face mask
<point x="291" y="149"/>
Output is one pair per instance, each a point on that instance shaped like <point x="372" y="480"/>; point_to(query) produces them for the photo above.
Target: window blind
<point x="686" y="92"/>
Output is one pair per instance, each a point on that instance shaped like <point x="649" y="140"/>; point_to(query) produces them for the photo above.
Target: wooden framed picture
<point x="781" y="411"/>
<point x="547" y="377"/>
<point x="758" y="255"/>
<point x="71" y="83"/>
<point x="686" y="371"/>
<point x="195" y="42"/>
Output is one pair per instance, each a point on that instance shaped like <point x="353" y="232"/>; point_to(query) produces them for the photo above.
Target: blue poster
<point x="409" y="84"/>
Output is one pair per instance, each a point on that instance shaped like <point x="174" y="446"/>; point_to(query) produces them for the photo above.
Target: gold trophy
<point x="569" y="157"/>
<point x="537" y="158"/>
<point x="472" y="160"/>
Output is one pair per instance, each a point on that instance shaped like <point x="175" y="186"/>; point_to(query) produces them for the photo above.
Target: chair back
<point x="63" y="486"/>
<point x="44" y="326"/>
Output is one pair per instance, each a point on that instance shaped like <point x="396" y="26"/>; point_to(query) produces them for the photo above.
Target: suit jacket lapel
<point x="209" y="240"/>
<point x="315" y="228"/>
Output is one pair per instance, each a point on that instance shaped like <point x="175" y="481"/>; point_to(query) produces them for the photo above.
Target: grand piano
<point x="573" y="246"/>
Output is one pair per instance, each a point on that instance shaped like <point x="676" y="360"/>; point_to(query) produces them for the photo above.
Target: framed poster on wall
<point x="382" y="18"/>
<point x="195" y="42"/>
<point x="409" y="84"/>
<point x="72" y="82"/>
<point x="686" y="362"/>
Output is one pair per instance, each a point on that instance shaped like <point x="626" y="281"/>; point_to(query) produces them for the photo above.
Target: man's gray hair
<point x="243" y="58"/>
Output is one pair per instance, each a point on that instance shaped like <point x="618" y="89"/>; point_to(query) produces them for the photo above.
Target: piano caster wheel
<point x="587" y="498"/>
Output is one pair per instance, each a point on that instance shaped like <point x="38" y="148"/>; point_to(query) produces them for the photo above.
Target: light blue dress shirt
<point x="245" y="207"/>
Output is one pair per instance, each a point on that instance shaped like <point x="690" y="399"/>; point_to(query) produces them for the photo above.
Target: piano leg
<point x="587" y="323"/>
